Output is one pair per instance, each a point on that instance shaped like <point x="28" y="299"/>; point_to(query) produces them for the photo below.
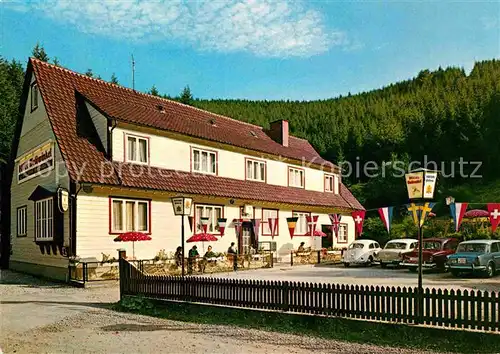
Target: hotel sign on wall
<point x="35" y="162"/>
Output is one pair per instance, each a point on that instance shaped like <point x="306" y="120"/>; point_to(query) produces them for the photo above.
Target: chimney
<point x="279" y="132"/>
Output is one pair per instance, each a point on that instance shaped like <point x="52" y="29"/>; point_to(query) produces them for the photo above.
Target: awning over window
<point x="43" y="192"/>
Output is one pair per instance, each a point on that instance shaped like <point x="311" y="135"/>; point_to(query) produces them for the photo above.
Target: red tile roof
<point x="59" y="88"/>
<point x="147" y="177"/>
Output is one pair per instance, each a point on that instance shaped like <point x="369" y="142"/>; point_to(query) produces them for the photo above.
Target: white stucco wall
<point x="93" y="237"/>
<point x="176" y="154"/>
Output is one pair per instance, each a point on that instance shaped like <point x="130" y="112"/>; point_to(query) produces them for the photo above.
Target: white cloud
<point x="269" y="28"/>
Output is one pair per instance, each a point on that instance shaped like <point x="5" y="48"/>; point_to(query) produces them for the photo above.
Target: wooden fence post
<point x="319" y="257"/>
<point x="122" y="264"/>
<point x="286" y="295"/>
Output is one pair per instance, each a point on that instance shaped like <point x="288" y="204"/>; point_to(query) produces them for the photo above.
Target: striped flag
<point x="359" y="217"/>
<point x="335" y="219"/>
<point x="457" y="211"/>
<point x="386" y="217"/>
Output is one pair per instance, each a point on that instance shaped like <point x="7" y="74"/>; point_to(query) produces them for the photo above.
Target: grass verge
<point x="382" y="334"/>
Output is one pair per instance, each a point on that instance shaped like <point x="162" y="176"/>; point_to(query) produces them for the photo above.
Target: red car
<point x="435" y="251"/>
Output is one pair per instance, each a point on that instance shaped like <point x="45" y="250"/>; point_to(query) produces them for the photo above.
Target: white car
<point x="361" y="252"/>
<point x="393" y="252"/>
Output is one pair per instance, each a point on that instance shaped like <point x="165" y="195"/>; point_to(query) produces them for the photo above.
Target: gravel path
<point x="43" y="317"/>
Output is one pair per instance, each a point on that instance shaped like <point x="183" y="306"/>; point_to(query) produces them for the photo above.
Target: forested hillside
<point x="444" y="114"/>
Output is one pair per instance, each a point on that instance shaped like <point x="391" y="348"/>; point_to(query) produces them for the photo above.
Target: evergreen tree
<point x="39" y="53"/>
<point x="154" y="91"/>
<point x="186" y="97"/>
<point x="114" y="79"/>
<point x="11" y="85"/>
<point x="89" y="73"/>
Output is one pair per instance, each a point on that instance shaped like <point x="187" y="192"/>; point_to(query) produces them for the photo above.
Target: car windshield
<point x="432" y="245"/>
<point x="357" y="245"/>
<point x="472" y="248"/>
<point x="395" y="245"/>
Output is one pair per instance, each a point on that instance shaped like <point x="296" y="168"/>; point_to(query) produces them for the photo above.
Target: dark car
<point x="476" y="256"/>
<point x="434" y="254"/>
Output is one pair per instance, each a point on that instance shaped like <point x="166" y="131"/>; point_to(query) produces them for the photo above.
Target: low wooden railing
<point x="451" y="308"/>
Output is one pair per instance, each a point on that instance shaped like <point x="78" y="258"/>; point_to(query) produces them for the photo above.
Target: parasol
<point x="132" y="236"/>
<point x="319" y="233"/>
<point x="202" y="237"/>
<point x="476" y="213"/>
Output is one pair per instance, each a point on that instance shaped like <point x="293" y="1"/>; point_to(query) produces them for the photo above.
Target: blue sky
<point x="260" y="49"/>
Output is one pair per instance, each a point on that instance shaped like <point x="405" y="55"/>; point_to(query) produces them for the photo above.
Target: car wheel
<point x="346" y="264"/>
<point x="455" y="272"/>
<point x="490" y="270"/>
<point x="412" y="269"/>
<point x="383" y="265"/>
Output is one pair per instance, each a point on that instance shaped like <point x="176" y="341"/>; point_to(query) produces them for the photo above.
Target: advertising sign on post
<point x="414" y="182"/>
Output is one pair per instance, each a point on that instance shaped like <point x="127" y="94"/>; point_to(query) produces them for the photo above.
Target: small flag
<point x="292" y="222"/>
<point x="311" y="223"/>
<point x="222" y="225"/>
<point x="256" y="226"/>
<point x="359" y="217"/>
<point x="457" y="211"/>
<point x="494" y="210"/>
<point x="413" y="209"/>
<point x="273" y="225"/>
<point x="423" y="211"/>
<point x="238" y="225"/>
<point x="191" y="220"/>
<point x="386" y="217"/>
<point x="204" y="224"/>
<point x="335" y="219"/>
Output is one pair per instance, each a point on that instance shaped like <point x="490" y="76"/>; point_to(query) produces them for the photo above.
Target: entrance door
<point x="246" y="240"/>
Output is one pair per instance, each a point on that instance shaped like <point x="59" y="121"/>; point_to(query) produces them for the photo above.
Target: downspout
<point x="110" y="137"/>
<point x="73" y="193"/>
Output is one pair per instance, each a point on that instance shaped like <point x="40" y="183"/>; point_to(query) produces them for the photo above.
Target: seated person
<point x="301" y="248"/>
<point x="192" y="256"/>
<point x="178" y="256"/>
<point x="252" y="250"/>
<point x="209" y="253"/>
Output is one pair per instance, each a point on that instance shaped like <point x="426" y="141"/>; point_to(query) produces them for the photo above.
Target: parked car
<point x="393" y="251"/>
<point x="434" y="254"/>
<point x="476" y="256"/>
<point x="361" y="252"/>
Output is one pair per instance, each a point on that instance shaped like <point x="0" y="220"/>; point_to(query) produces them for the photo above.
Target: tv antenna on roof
<point x="133" y="73"/>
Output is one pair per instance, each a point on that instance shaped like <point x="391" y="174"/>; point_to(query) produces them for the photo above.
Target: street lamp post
<point x="421" y="185"/>
<point x="182" y="206"/>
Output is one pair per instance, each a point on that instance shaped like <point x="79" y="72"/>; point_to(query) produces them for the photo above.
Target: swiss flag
<point x="494" y="210"/>
<point x="359" y="217"/>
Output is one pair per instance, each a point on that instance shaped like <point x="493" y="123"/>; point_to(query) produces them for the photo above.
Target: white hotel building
<point x="122" y="155"/>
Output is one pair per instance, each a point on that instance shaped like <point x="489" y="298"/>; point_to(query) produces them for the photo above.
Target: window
<point x="34" y="96"/>
<point x="130" y="215"/>
<point x="342" y="233"/>
<point x="495" y="247"/>
<point x="301" y="227"/>
<point x="329" y="183"/>
<point x="21" y="221"/>
<point x="451" y="245"/>
<point x="212" y="212"/>
<point x="137" y="149"/>
<point x="256" y="170"/>
<point x="44" y="220"/>
<point x="266" y="214"/>
<point x="295" y="177"/>
<point x="204" y="161"/>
